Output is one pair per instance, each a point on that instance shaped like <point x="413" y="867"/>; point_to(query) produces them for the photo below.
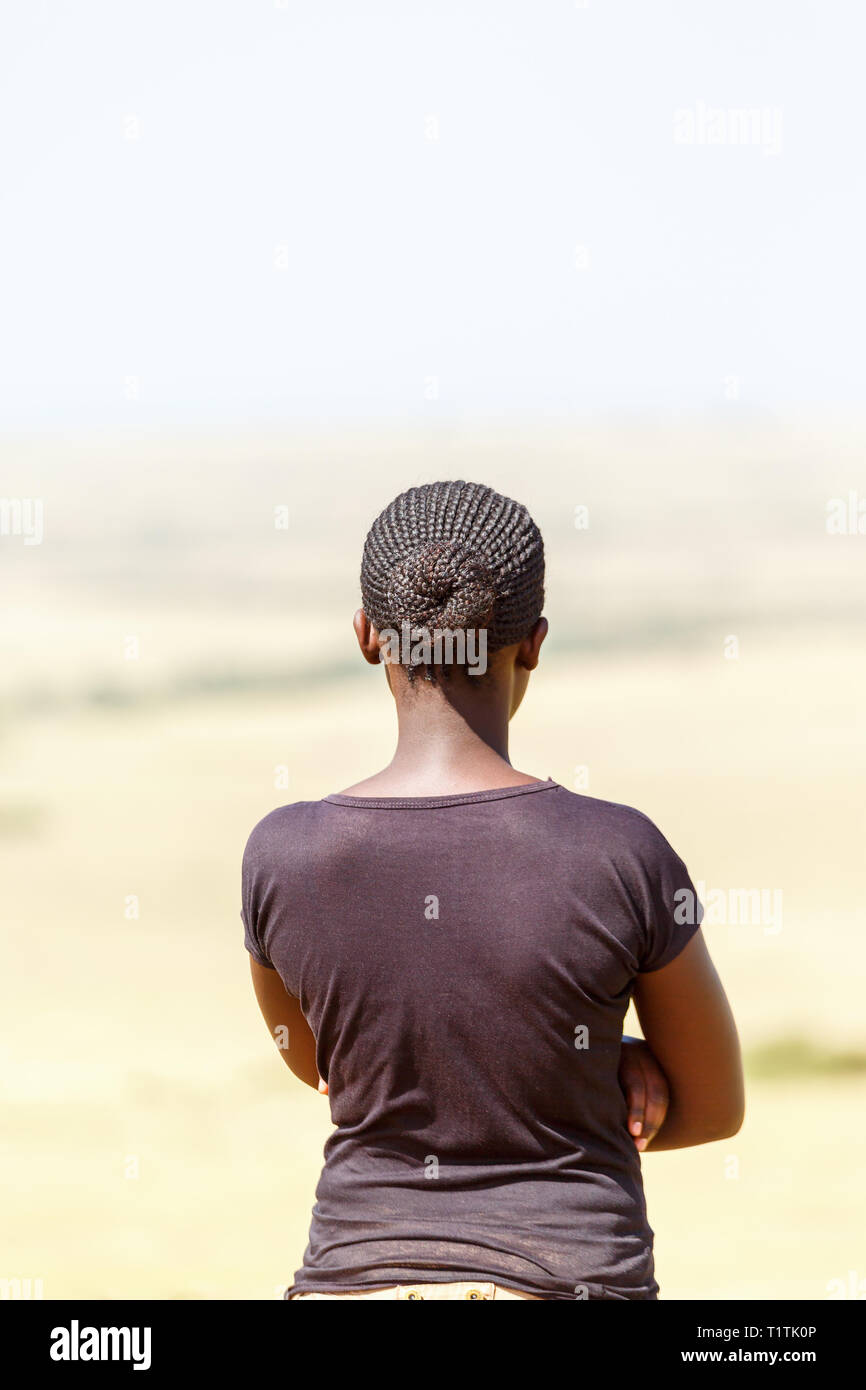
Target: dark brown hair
<point x="454" y="556"/>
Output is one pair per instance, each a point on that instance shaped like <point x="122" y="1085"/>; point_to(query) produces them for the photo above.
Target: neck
<point x="452" y="737"/>
<point x="451" y="740"/>
<point x="448" y="726"/>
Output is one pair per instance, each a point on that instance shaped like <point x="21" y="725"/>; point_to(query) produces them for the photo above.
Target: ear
<point x="368" y="637"/>
<point x="530" y="647"/>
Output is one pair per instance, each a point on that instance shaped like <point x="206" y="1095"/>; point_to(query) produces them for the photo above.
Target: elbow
<point x="729" y="1111"/>
<point x="726" y="1123"/>
<point x="710" y="1119"/>
<point x="726" y="1129"/>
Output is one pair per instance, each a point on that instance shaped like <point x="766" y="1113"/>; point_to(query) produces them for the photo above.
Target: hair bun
<point x="454" y="555"/>
<point x="442" y="585"/>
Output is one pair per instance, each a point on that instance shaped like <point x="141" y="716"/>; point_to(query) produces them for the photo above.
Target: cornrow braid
<point x="454" y="556"/>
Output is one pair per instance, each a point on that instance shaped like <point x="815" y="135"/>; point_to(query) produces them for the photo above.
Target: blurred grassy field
<point x="152" y="1144"/>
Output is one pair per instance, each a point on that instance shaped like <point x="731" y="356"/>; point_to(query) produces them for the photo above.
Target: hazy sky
<point x="258" y="212"/>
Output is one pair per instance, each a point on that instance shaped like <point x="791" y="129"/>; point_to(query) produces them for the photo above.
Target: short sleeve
<point x="250" y="897"/>
<point x="673" y="909"/>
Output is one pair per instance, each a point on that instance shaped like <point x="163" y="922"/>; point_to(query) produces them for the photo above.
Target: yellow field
<point x="154" y="1144"/>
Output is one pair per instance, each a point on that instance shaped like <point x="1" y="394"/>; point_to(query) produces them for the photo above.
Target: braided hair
<point x="454" y="556"/>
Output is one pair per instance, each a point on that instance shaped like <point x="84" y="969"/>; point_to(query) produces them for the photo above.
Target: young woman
<point x="449" y="948"/>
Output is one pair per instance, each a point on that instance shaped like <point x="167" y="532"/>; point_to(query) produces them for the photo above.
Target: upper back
<point x="465" y="962"/>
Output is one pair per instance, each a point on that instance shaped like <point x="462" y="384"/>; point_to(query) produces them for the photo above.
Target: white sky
<point x="303" y="126"/>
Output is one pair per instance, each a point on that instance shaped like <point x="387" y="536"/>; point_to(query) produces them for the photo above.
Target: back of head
<point x="454" y="556"/>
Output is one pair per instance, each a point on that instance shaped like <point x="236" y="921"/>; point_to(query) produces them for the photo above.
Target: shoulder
<point x="282" y="827"/>
<point x="617" y="828"/>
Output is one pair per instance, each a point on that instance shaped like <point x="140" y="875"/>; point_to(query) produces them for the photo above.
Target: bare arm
<point x="687" y="1021"/>
<point x="288" y="1027"/>
<point x="645" y="1087"/>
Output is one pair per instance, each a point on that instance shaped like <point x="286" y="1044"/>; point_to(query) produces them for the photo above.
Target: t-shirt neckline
<point x="423" y="803"/>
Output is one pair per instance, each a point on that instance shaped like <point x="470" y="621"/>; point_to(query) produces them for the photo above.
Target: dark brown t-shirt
<point x="465" y="964"/>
